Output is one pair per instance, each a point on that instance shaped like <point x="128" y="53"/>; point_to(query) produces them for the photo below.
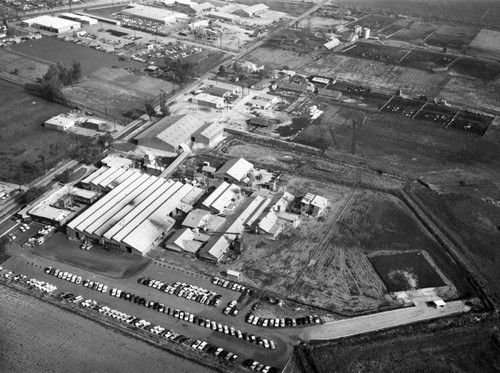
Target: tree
<point x="150" y="109"/>
<point x="164" y="109"/>
<point x="4" y="240"/>
<point x="222" y="70"/>
<point x="76" y="71"/>
<point x="30" y="195"/>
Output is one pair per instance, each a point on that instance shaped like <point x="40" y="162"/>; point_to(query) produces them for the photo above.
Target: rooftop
<point x="237" y="168"/>
<point x="53" y="22"/>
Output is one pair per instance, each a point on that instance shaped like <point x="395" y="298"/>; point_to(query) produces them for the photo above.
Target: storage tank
<point x="357" y="29"/>
<point x="366" y="33"/>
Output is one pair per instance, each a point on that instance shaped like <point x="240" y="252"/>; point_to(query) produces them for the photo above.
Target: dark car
<point x="137" y="299"/>
<point x="142" y="301"/>
<point x="156" y="306"/>
<point x="122" y="295"/>
<point x="69" y="295"/>
<point x="288" y="321"/>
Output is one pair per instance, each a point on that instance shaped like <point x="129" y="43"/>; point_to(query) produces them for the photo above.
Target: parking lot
<point x="33" y="266"/>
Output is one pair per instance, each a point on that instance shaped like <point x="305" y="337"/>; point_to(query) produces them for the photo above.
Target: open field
<point x="427" y="60"/>
<point x="375" y="22"/>
<point x="417" y="31"/>
<point x="55" y="50"/>
<point x="20" y="69"/>
<point x="457" y="37"/>
<point x="294" y="8"/>
<point x="398" y="25"/>
<point x="484" y="70"/>
<point x="440" y="115"/>
<point x="486" y="44"/>
<point x="476" y="94"/>
<point x="441" y="346"/>
<point x="376" y="52"/>
<point x="478" y="12"/>
<point x="65" y="342"/>
<point x="23" y="138"/>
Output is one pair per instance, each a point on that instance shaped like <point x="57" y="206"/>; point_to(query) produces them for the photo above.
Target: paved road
<point x="380" y="321"/>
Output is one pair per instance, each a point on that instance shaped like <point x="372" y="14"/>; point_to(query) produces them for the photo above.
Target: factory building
<point x="156" y="15"/>
<point x="235" y="170"/>
<point x="52" y="24"/>
<point x="252" y="11"/>
<point x="136" y="215"/>
<point x="84" y="20"/>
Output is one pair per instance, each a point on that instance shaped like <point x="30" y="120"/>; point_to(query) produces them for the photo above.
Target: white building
<point x="313" y="205"/>
<point x="235" y="170"/>
<point x="61" y="122"/>
<point x="52" y="24"/>
<point x="225" y="197"/>
<point x="152" y="14"/>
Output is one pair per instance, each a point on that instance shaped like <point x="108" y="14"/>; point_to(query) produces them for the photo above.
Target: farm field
<point x="20" y="69"/>
<point x="486" y="44"/>
<point x="483" y="12"/>
<point x="376" y="52"/>
<point x="484" y="70"/>
<point x="393" y="28"/>
<point x="54" y="50"/>
<point x="375" y="22"/>
<point x="457" y="37"/>
<point x="64" y="341"/>
<point x="417" y="31"/>
<point x="23" y="138"/>
<point x="427" y="60"/>
<point x="438" y="347"/>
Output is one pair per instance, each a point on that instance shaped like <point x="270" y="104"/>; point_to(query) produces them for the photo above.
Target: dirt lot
<point x="443" y="346"/>
<point x="426" y="60"/>
<point x="64" y="341"/>
<point x="484" y="70"/>
<point x="417" y="31"/>
<point x="23" y="138"/>
<point x="377" y="52"/>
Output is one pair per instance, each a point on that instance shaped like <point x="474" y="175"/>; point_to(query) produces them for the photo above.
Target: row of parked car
<point x="228" y="284"/>
<point x="94" y="285"/>
<point x="171" y="335"/>
<point x="258" y="367"/>
<point x="231" y="308"/>
<point x="282" y="322"/>
<point x="187" y="291"/>
<point x="63" y="275"/>
<point x="32" y="282"/>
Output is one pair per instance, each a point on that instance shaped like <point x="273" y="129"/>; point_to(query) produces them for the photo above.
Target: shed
<point x="233" y="275"/>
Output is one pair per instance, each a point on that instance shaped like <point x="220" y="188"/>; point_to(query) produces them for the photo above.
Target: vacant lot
<point x="377" y="52"/>
<point x="398" y="25"/>
<point x="23" y="138"/>
<point x="427" y="60"/>
<point x="480" y="69"/>
<point x="375" y="22"/>
<point x="37" y="336"/>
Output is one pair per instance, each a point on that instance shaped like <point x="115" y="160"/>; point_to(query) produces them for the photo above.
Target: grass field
<point x="486" y="43"/>
<point x="39" y="337"/>
<point x="417" y="31"/>
<point x="55" y="50"/>
<point x="23" y="138"/>
<point x="457" y="37"/>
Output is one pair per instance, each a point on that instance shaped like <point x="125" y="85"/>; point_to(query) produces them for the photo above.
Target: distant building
<point x="291" y="87"/>
<point x="318" y="79"/>
<point x="252" y="11"/>
<point x="233" y="275"/>
<point x="208" y="134"/>
<point x="169" y="133"/>
<point x="61" y="122"/>
<point x="152" y="14"/>
<point x="84" y="20"/>
<point x="235" y="170"/>
<point x="186" y="241"/>
<point x="332" y="43"/>
<point x="52" y="24"/>
<point x="200" y="24"/>
<point x="329" y="93"/>
<point x="217" y="91"/>
<point x="215" y="249"/>
<point x="313" y="205"/>
<point x="350" y="37"/>
<point x="225" y="197"/>
<point x="117" y="162"/>
<point x="204" y="99"/>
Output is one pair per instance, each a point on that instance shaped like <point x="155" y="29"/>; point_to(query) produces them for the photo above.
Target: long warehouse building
<point x="136" y="215"/>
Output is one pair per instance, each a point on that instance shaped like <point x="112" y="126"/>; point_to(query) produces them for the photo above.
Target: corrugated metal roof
<point x="236" y="168"/>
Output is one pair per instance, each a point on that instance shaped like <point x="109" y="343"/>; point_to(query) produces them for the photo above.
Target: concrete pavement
<point x="380" y="321"/>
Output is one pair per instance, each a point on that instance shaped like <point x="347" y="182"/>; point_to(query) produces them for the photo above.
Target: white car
<point x="78" y="280"/>
<point x="113" y="292"/>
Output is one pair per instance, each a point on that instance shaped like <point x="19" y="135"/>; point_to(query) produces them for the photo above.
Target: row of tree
<point x="56" y="78"/>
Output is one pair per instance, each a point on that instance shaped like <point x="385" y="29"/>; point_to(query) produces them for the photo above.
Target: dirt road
<point x="379" y="321"/>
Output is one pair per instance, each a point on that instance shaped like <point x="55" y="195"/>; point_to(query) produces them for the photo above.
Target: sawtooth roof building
<point x="136" y="214"/>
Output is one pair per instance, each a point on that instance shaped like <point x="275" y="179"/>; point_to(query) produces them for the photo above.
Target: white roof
<point x="52" y="22"/>
<point x="61" y="120"/>
<point x="307" y="198"/>
<point x="227" y="198"/>
<point x="258" y="212"/>
<point x="215" y="248"/>
<point x="320" y="80"/>
<point x="203" y="219"/>
<point x="116" y="161"/>
<point x="153" y="13"/>
<point x="93" y="175"/>
<point x="84" y="193"/>
<point x="439" y="302"/>
<point x="283" y="202"/>
<point x="210" y="130"/>
<point x="239" y="222"/>
<point x="236" y="168"/>
<point x="208" y="98"/>
<point x="270" y="223"/>
<point x="332" y="43"/>
<point x="255" y="8"/>
<point x="319" y="201"/>
<point x="185" y="239"/>
<point x="49" y="212"/>
<point x="232" y="272"/>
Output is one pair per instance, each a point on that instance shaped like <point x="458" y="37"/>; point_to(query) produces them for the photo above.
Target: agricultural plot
<point x="406" y="271"/>
<point x="280" y="58"/>
<point x="375" y="22"/>
<point x="471" y="122"/>
<point x="417" y="31"/>
<point x="402" y="106"/>
<point x="436" y="114"/>
<point x="426" y="60"/>
<point x="484" y="70"/>
<point x="486" y="43"/>
<point x="397" y="26"/>
<point x="318" y="23"/>
<point x="466" y="91"/>
<point x="376" y="52"/>
<point x="457" y="37"/>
